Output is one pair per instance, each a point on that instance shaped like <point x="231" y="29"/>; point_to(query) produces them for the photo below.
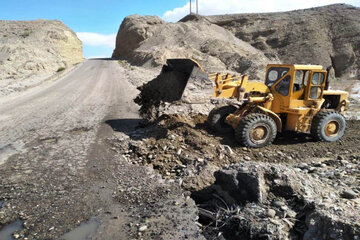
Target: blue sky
<point x="96" y="16"/>
<point x="97" y="21"/>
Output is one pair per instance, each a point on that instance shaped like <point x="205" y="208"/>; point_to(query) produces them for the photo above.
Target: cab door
<point x="316" y="85"/>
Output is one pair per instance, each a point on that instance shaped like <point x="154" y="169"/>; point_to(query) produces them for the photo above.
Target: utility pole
<point x="197" y="6"/>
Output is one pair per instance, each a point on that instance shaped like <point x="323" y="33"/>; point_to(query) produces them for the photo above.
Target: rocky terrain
<point x="32" y="51"/>
<point x="294" y="189"/>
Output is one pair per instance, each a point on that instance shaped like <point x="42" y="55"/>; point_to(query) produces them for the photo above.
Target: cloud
<point x="97" y="39"/>
<point x="212" y="7"/>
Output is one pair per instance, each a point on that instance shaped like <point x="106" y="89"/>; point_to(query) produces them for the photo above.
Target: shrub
<point x="60" y="69"/>
<point x="25" y="34"/>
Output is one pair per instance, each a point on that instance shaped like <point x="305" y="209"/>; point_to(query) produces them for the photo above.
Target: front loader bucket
<point x="195" y="84"/>
<point x="180" y="80"/>
<point x="184" y="65"/>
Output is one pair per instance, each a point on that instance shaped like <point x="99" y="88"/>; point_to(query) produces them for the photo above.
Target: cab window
<point x="274" y="74"/>
<point x="317" y="80"/>
<point x="315" y="92"/>
<point x="300" y="81"/>
<point x="283" y="86"/>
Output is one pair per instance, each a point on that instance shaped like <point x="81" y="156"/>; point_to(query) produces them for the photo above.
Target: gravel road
<point x="58" y="169"/>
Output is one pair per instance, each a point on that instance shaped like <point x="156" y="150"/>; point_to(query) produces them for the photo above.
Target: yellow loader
<point x="292" y="97"/>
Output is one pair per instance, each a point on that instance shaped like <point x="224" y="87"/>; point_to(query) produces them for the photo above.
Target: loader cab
<point x="297" y="90"/>
<point x="295" y="85"/>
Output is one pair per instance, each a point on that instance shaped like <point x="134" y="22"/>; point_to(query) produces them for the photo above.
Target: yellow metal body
<point x="292" y="92"/>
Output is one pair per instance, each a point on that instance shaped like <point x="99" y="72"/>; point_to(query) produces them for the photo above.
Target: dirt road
<point x="58" y="170"/>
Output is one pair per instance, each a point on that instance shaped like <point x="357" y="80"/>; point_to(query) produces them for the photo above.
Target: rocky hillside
<point x="246" y="42"/>
<point x="324" y="35"/>
<point x="33" y="50"/>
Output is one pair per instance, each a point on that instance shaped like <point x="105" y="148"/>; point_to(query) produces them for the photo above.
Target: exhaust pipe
<point x="327" y="82"/>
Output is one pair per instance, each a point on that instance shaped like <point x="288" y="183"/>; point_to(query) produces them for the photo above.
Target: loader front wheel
<point x="216" y="119"/>
<point x="328" y="126"/>
<point x="256" y="130"/>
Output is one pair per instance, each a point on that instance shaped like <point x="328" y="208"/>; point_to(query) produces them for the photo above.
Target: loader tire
<point x="328" y="126"/>
<point x="256" y="130"/>
<point x="216" y="119"/>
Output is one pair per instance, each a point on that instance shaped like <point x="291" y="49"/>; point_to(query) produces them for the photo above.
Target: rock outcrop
<point x="32" y="50"/>
<point x="245" y="43"/>
<point x="270" y="201"/>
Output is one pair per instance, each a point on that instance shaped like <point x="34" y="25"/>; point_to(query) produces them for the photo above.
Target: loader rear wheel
<point x="328" y="126"/>
<point x="217" y="116"/>
<point x="256" y="130"/>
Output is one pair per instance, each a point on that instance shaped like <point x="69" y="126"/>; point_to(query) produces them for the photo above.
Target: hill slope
<point x="245" y="43"/>
<point x="150" y="41"/>
<point x="33" y="50"/>
<point x="325" y="35"/>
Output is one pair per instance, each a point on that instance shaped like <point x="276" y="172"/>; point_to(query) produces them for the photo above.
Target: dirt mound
<point x="149" y="41"/>
<point x="325" y="35"/>
<point x="133" y="31"/>
<point x="34" y="50"/>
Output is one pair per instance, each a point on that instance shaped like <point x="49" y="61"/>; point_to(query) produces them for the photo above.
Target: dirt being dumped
<point x="294" y="189"/>
<point x="181" y="87"/>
